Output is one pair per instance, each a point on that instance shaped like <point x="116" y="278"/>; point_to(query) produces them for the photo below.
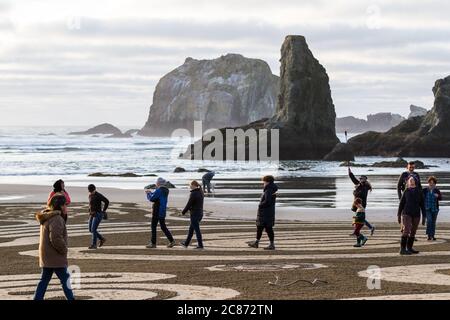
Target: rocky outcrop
<point x="104" y="128"/>
<point x="341" y="152"/>
<point x="423" y="136"/>
<point x="416" y="111"/>
<point x="379" y="122"/>
<point x="228" y="91"/>
<point x="398" y="163"/>
<point x="305" y="113"/>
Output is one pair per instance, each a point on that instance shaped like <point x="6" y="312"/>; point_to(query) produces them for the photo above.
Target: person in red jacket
<point x="59" y="189"/>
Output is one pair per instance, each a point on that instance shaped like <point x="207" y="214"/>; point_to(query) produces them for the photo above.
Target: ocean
<point x="41" y="155"/>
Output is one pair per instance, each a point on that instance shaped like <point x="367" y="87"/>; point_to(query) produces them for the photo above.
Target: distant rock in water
<point x="341" y="152"/>
<point x="228" y="91"/>
<point x="399" y="163"/>
<point x="104" y="128"/>
<point x="179" y="169"/>
<point x="305" y="114"/>
<point x="379" y="122"/>
<point x="416" y="111"/>
<point x="423" y="136"/>
<point x="120" y="175"/>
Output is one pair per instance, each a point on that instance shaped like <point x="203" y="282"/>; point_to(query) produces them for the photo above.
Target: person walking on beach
<point x="195" y="207"/>
<point x="159" y="198"/>
<point x="359" y="220"/>
<point x="59" y="189"/>
<point x="362" y="189"/>
<point x="432" y="196"/>
<point x="206" y="181"/>
<point x="402" y="183"/>
<point x="53" y="248"/>
<point x="266" y="213"/>
<point x="409" y="211"/>
<point x="96" y="215"/>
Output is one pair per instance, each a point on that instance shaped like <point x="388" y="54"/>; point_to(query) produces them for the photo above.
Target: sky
<point x="87" y="62"/>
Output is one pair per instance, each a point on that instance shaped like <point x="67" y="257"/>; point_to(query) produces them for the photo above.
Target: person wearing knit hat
<point x="159" y="198"/>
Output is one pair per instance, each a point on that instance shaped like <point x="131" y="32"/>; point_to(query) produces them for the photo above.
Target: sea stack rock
<point x="422" y="136"/>
<point x="228" y="91"/>
<point x="104" y="128"/>
<point x="305" y="110"/>
<point x="305" y="114"/>
<point x="416" y="111"/>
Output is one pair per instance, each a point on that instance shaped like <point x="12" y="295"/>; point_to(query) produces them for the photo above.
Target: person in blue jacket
<point x="206" y="181"/>
<point x="159" y="197"/>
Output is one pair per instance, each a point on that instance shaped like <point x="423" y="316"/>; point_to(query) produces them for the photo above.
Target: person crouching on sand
<point x="266" y="213"/>
<point x="53" y="248"/>
<point x="411" y="205"/>
<point x="159" y="198"/>
<point x="432" y="196"/>
<point x="359" y="221"/>
<point x="59" y="189"/>
<point x="96" y="215"/>
<point x="195" y="206"/>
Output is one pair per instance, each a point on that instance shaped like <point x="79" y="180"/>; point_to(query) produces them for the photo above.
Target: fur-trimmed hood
<point x="46" y="214"/>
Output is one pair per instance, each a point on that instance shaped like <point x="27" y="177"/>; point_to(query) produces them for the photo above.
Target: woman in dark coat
<point x="195" y="207"/>
<point x="266" y="213"/>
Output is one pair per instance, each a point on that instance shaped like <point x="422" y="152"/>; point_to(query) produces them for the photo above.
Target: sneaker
<point x="183" y="244"/>
<point x="253" y="244"/>
<point x="92" y="247"/>
<point x="429" y="238"/>
<point x="151" y="246"/>
<point x="363" y="241"/>
<point x="171" y="244"/>
<point x="199" y="248"/>
<point x="270" y="247"/>
<point x="102" y="242"/>
<point x="358" y="245"/>
<point x="434" y="239"/>
<point x="372" y="231"/>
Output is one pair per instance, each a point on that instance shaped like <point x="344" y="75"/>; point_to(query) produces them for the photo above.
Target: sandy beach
<point x="217" y="207"/>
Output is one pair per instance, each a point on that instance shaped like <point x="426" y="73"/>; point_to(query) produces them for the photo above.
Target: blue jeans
<point x="195" y="227"/>
<point x="94" y="222"/>
<point x="431" y="223"/>
<point x="46" y="276"/>
<point x="368" y="225"/>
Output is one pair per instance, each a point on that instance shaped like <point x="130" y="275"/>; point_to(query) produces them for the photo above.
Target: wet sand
<point x="225" y="204"/>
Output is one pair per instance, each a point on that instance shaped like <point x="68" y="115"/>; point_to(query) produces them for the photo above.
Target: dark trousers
<point x="46" y="276"/>
<point x="206" y="185"/>
<point x="195" y="227"/>
<point x="162" y="224"/>
<point x="410" y="225"/>
<point x="269" y="231"/>
<point x="94" y="223"/>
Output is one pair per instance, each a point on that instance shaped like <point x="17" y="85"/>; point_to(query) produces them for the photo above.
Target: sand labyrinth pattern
<point x="113" y="286"/>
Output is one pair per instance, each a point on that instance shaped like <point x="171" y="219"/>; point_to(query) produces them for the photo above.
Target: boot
<point x="363" y="240"/>
<point x="271" y="246"/>
<point x="358" y="242"/>
<point x="253" y="244"/>
<point x="403" y="250"/>
<point x="409" y="245"/>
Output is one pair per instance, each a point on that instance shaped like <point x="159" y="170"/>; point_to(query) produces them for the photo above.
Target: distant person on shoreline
<point x="432" y="196"/>
<point x="159" y="209"/>
<point x="53" y="248"/>
<point x="206" y="181"/>
<point x="411" y="206"/>
<point x="359" y="220"/>
<point x="266" y="213"/>
<point x="96" y="215"/>
<point x="404" y="177"/>
<point x="59" y="189"/>
<point x="195" y="206"/>
<point x="362" y="189"/>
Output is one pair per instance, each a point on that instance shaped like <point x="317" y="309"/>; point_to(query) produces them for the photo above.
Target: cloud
<point x="94" y="56"/>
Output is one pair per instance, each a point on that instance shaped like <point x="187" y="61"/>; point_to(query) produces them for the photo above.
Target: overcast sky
<point x="84" y="62"/>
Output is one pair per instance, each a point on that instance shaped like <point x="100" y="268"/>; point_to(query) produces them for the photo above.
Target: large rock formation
<point x="423" y="136"/>
<point x="416" y="111"/>
<point x="379" y="122"/>
<point x="228" y="91"/>
<point x="305" y="113"/>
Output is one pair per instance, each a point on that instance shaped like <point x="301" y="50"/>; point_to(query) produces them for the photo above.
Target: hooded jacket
<point x="266" y="207"/>
<point x="53" y="239"/>
<point x="160" y="199"/>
